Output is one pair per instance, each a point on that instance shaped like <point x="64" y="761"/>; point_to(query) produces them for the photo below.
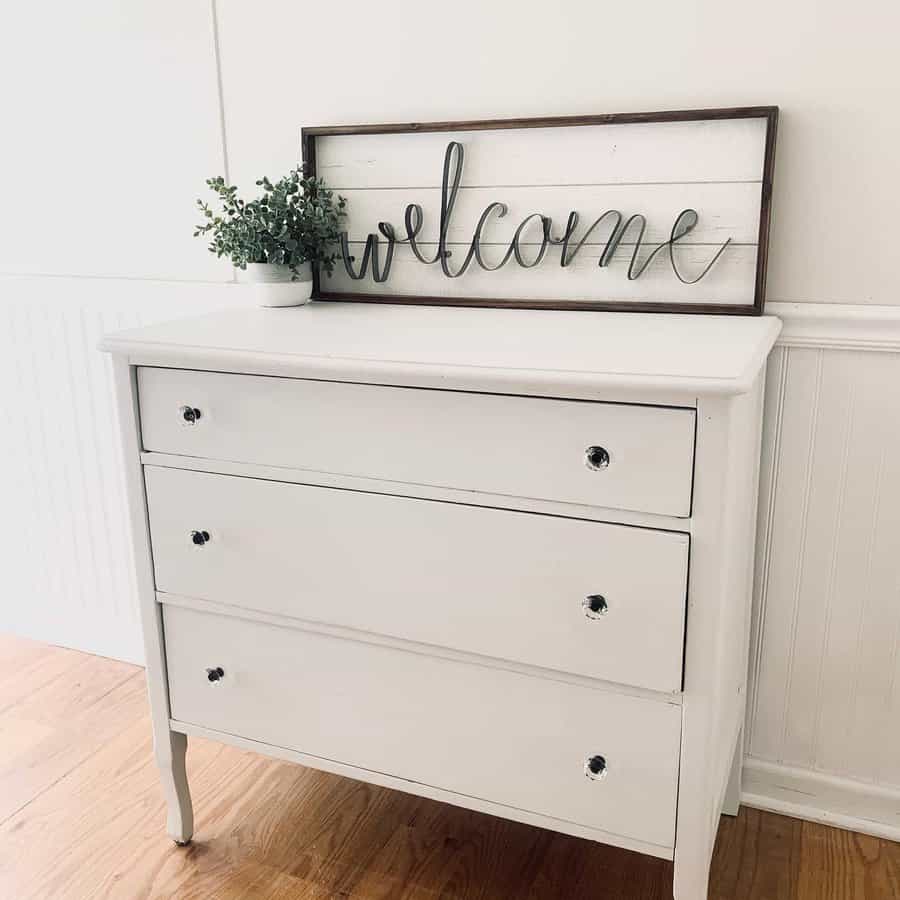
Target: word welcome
<point x="684" y="224"/>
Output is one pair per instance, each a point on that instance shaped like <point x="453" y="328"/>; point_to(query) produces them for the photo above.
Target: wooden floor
<point x="81" y="816"/>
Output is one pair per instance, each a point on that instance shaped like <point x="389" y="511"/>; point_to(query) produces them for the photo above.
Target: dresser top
<point x="531" y="351"/>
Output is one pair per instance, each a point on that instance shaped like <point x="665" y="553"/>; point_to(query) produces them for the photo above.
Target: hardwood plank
<point x="29" y="666"/>
<point x="224" y="881"/>
<point x="60" y="707"/>
<point x="99" y="832"/>
<point x="763" y="856"/>
<point x="757" y="855"/>
<point x="15" y="650"/>
<point x="73" y="691"/>
<point x="36" y="754"/>
<point x="450" y="852"/>
<point x="843" y="865"/>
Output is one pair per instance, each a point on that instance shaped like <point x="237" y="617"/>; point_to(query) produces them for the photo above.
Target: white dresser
<point x="500" y="558"/>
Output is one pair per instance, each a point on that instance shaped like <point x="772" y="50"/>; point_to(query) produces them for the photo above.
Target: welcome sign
<point x="648" y="211"/>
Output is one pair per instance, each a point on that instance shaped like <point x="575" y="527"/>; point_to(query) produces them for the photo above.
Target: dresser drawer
<point x="506" y="584"/>
<point x="512" y="739"/>
<point x="518" y="446"/>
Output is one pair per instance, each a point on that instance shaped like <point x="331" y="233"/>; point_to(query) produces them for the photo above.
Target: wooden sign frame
<point x="311" y="136"/>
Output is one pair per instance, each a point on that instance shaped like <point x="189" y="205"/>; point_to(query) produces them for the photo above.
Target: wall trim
<point x="838" y="326"/>
<point x="817" y="797"/>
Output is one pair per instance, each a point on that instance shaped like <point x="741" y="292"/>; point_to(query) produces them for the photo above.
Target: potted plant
<point x="278" y="238"/>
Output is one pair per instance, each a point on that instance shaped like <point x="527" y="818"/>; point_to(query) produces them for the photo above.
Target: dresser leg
<point x="170" y="757"/>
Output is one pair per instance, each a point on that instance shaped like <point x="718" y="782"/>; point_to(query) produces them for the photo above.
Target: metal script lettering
<point x="454" y="155"/>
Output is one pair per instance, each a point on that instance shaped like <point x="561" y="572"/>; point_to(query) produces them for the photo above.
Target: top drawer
<point x="517" y="446"/>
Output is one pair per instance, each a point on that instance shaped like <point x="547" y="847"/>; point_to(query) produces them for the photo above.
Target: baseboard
<point x="817" y="797"/>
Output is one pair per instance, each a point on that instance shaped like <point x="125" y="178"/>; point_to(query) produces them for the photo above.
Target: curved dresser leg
<point x="170" y="757"/>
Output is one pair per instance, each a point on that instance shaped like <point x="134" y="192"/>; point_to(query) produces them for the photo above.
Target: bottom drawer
<point x="518" y="740"/>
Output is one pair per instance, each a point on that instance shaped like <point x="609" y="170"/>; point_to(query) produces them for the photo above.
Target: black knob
<point x="595" y="605"/>
<point x="595" y="767"/>
<point x="190" y="414"/>
<point x="215" y="674"/>
<point x="596" y="458"/>
<point x="199" y="537"/>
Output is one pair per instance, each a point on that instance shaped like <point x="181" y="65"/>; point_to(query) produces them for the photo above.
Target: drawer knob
<point x="216" y="674"/>
<point x="200" y="537"/>
<point x="595" y="606"/>
<point x="596" y="458"/>
<point x="190" y="414"/>
<point x="595" y="768"/>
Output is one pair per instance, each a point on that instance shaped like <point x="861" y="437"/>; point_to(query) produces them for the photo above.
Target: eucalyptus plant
<point x="294" y="221"/>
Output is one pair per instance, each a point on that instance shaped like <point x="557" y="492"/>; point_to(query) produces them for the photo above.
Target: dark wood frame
<point x="769" y="113"/>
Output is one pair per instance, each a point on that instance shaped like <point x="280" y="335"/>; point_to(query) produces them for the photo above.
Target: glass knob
<point x="595" y="768"/>
<point x="595" y="606"/>
<point x="216" y="674"/>
<point x="596" y="458"/>
<point x="190" y="414"/>
<point x="200" y="537"/>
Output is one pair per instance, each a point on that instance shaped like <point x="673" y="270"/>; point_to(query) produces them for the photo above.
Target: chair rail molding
<point x="838" y="326"/>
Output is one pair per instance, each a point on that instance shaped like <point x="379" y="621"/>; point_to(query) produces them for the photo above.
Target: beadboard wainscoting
<point x="823" y="717"/>
<point x="67" y="564"/>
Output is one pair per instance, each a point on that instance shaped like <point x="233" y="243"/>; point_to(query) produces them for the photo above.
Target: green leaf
<point x="293" y="220"/>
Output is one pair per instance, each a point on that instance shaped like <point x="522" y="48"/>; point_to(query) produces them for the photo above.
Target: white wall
<point x="115" y="113"/>
<point x="111" y="121"/>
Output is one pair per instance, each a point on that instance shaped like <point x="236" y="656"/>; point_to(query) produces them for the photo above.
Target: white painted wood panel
<point x="560" y="353"/>
<point x="488" y="581"/>
<point x="487" y="733"/>
<point x="412" y="435"/>
<point x="724" y="150"/>
<point x="826" y="670"/>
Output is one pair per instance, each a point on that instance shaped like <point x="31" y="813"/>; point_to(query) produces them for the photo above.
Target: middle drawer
<point x="605" y="601"/>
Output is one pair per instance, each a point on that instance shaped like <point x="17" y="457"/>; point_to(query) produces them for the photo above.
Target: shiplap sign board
<point x="661" y="211"/>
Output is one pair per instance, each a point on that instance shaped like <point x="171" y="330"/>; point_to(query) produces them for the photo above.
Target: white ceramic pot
<point x="273" y="285"/>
